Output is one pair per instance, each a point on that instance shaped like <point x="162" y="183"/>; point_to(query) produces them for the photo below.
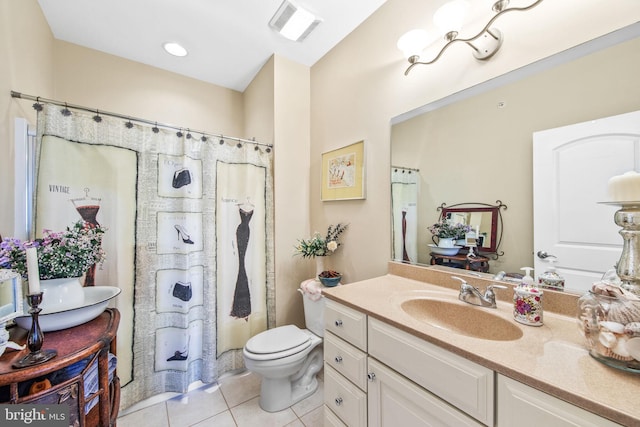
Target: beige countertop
<point x="551" y="358"/>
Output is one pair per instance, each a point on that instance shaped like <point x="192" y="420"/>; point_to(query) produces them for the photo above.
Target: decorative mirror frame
<point x="496" y="222"/>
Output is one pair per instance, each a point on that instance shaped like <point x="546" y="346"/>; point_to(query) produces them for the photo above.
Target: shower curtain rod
<point x="404" y="168"/>
<point x="19" y="95"/>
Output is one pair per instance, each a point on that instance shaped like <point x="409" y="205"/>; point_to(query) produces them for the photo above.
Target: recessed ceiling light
<point x="175" y="49"/>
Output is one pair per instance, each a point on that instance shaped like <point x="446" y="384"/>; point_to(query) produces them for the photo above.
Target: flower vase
<point x="446" y="242"/>
<point x="61" y="294"/>
<point x="319" y="265"/>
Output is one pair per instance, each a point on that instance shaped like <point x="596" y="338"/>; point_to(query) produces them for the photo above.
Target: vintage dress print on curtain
<point x="241" y="256"/>
<point x="404" y="207"/>
<point x="98" y="184"/>
<point x="88" y="208"/>
<point x="242" y="296"/>
<point x="171" y="240"/>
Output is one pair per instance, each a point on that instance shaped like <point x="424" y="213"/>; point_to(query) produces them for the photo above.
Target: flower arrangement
<point x="445" y="229"/>
<point x="319" y="246"/>
<point x="63" y="254"/>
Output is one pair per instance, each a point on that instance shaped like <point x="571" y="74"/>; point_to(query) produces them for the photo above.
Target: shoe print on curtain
<point x="179" y="232"/>
<point x="240" y="254"/>
<point x="179" y="176"/>
<point x="179" y="290"/>
<point x="177" y="347"/>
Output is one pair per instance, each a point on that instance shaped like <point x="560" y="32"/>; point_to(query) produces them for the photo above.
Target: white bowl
<point x="95" y="302"/>
<point x="444" y="251"/>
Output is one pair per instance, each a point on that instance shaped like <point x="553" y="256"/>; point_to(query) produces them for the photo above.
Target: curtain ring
<point x="97" y="117"/>
<point x="221" y="141"/>
<point x="65" y="111"/>
<point x="129" y="125"/>
<point x="155" y="128"/>
<point x="37" y="106"/>
<point x="179" y="133"/>
<point x="204" y="138"/>
<point x="188" y="134"/>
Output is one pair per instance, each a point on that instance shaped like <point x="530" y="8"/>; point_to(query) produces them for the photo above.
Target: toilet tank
<point x="313" y="306"/>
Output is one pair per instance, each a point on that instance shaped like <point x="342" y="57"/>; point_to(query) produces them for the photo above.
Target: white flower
<point x="332" y="245"/>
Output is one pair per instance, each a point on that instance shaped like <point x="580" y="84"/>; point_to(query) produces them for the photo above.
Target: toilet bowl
<point x="288" y="358"/>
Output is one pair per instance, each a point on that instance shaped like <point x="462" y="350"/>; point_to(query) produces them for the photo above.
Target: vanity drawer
<point x="346" y="400"/>
<point x="331" y="420"/>
<point x="346" y="359"/>
<point x="458" y="381"/>
<point x="346" y="323"/>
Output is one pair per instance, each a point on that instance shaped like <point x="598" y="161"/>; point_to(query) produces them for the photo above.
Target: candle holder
<point x="628" y="267"/>
<point x="35" y="339"/>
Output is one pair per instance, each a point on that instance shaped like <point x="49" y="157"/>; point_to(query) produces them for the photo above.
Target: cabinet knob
<point x="338" y="323"/>
<point x="371" y="376"/>
<point x="338" y="359"/>
<point x="338" y="401"/>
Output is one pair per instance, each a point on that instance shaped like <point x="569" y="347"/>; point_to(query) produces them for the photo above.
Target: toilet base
<point x="277" y="394"/>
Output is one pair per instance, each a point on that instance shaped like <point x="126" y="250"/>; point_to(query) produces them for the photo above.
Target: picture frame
<point x="343" y="173"/>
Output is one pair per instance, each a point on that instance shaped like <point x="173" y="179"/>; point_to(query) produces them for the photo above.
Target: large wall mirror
<point x="478" y="145"/>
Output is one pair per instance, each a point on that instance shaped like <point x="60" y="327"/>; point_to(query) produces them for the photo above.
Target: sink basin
<point x="462" y="318"/>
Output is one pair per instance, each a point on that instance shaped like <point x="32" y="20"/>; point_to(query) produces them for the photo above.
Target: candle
<point x="625" y="188"/>
<point x="33" y="273"/>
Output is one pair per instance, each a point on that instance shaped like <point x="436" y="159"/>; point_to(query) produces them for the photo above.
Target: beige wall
<point x="487" y="150"/>
<point x="26" y="65"/>
<point x="359" y="86"/>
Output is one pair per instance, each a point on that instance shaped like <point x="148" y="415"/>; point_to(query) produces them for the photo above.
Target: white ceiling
<point x="228" y="40"/>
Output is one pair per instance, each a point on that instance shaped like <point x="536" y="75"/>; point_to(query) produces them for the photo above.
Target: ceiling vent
<point x="293" y="22"/>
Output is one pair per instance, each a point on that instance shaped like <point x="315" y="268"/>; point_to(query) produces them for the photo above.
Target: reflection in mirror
<point x="10" y="305"/>
<point x="477" y="144"/>
<point x="484" y="220"/>
<point x="404" y="213"/>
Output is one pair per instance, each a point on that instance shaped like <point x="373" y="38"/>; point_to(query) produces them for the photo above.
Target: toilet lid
<point x="277" y="340"/>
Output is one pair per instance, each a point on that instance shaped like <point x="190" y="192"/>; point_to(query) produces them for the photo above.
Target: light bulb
<point x="450" y="16"/>
<point x="413" y="42"/>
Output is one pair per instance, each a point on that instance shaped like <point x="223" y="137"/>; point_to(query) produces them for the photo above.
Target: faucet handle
<point x="489" y="294"/>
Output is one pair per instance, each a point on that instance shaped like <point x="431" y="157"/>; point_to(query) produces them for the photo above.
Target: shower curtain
<point x="404" y="206"/>
<point x="189" y="239"/>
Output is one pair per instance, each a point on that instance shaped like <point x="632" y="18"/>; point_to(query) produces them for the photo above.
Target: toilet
<point x="287" y="357"/>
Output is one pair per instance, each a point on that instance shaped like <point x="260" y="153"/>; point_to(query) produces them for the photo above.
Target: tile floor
<point x="233" y="402"/>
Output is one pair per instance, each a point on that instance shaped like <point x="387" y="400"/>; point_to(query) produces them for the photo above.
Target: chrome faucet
<point x="472" y="295"/>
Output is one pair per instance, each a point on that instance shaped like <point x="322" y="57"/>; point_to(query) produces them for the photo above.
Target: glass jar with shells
<point x="609" y="320"/>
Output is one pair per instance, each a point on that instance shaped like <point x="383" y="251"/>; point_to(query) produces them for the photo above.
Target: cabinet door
<point x="462" y="383"/>
<point x="522" y="406"/>
<point x="395" y="401"/>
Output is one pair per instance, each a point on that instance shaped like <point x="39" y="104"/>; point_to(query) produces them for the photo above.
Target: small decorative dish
<point x="444" y="251"/>
<point x="95" y="302"/>
<point x="330" y="278"/>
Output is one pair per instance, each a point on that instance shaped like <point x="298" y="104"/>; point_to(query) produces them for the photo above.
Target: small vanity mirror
<point x="10" y="305"/>
<point x="484" y="220"/>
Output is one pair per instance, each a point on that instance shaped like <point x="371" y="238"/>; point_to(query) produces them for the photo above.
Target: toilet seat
<point x="276" y="343"/>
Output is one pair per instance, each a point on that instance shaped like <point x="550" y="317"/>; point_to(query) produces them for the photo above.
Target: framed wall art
<point x="343" y="175"/>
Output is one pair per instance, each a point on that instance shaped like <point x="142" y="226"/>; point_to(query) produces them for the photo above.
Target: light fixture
<point x="175" y="49"/>
<point x="293" y="22"/>
<point x="449" y="19"/>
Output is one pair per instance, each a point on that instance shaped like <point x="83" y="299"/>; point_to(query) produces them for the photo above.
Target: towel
<point x="312" y="289"/>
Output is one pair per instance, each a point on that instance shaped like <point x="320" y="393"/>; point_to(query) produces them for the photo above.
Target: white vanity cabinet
<point x="362" y="391"/>
<point x="523" y="406"/>
<point x="454" y="390"/>
<point x="345" y="366"/>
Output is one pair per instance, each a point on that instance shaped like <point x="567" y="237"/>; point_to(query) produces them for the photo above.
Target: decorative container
<point x="61" y="294"/>
<point x="611" y="328"/>
<point x="330" y="278"/>
<point x="527" y="305"/>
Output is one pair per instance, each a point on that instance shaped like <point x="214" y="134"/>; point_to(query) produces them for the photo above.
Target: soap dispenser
<point x="550" y="278"/>
<point x="527" y="301"/>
